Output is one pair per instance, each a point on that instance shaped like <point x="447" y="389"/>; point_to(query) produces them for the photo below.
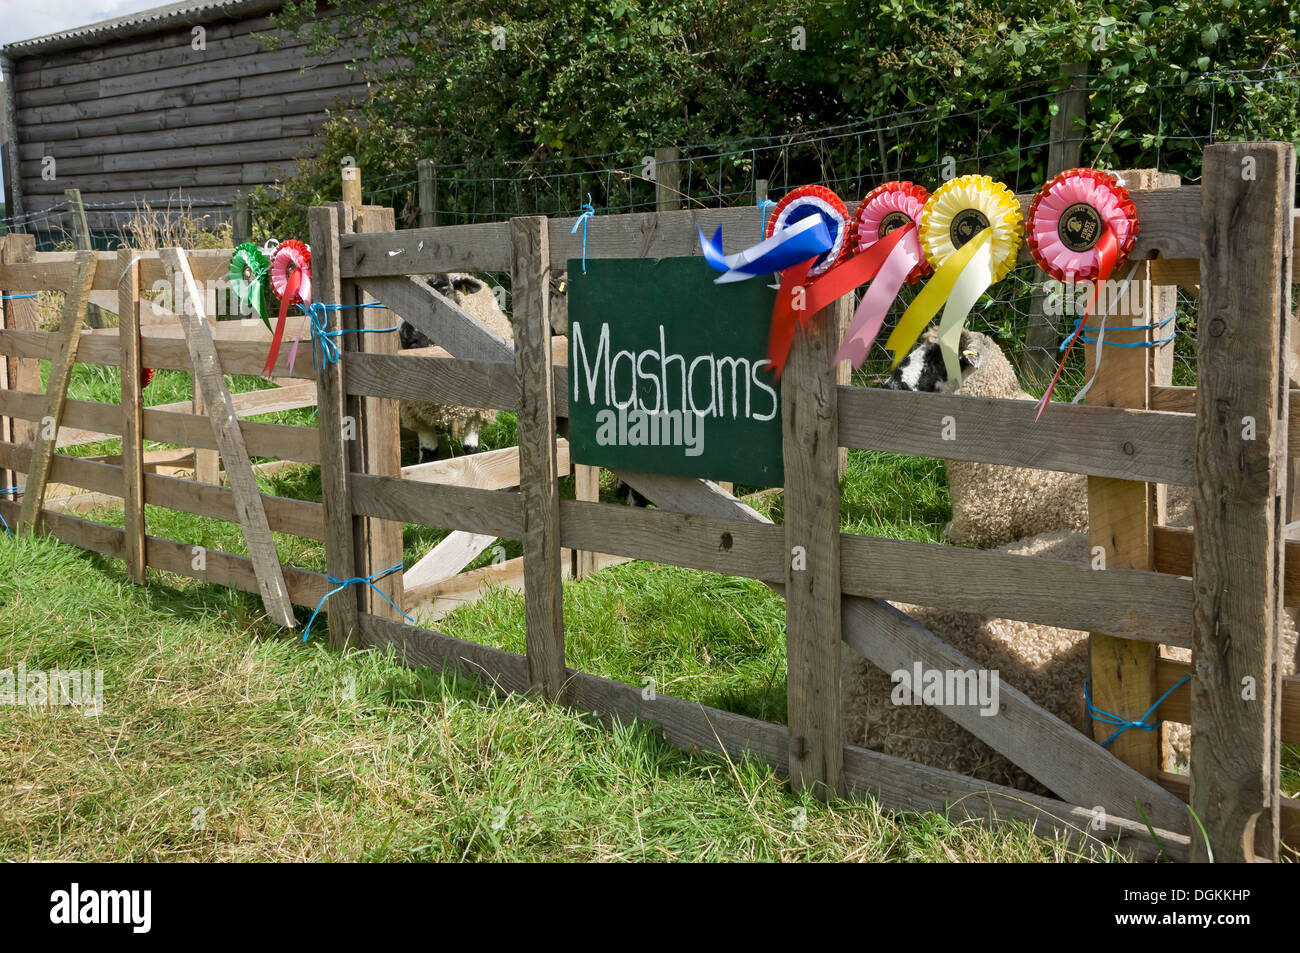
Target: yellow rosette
<point x="970" y="232"/>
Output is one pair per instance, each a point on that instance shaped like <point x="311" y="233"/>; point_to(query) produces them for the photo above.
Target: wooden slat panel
<point x="1063" y="759"/>
<point x="442" y="320"/>
<point x="1148" y="446"/>
<point x="1136" y="604"/>
<point x="128" y="310"/>
<point x="452" y="507"/>
<point x="221" y="569"/>
<point x="428" y="251"/>
<point x="1242" y="342"/>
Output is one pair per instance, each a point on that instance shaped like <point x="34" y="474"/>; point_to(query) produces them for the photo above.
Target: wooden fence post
<point x="331" y="410"/>
<point x="810" y="421"/>
<point x="377" y="449"/>
<point x="1247" y="209"/>
<point x="351" y="176"/>
<point x="427" y="196"/>
<point x="81" y="241"/>
<point x="668" y="179"/>
<point x="128" y="334"/>
<point x="22" y="374"/>
<point x="241" y="222"/>
<point x="1120" y="512"/>
<point x="1064" y="151"/>
<point x="530" y="277"/>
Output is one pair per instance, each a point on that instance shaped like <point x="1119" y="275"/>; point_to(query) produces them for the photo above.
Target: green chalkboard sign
<point x="668" y="371"/>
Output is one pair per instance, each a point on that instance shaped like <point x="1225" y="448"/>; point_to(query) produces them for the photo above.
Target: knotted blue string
<point x="343" y="584"/>
<point x="1079" y="332"/>
<point x="587" y="212"/>
<point x="5" y="492"/>
<point x="16" y="297"/>
<point x="1106" y="718"/>
<point x="763" y="206"/>
<point x="321" y="334"/>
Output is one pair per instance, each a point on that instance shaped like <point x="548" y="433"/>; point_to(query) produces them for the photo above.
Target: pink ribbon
<point x="870" y="315"/>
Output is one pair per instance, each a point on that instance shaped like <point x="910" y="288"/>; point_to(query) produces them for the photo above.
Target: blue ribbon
<point x="5" y="492"/>
<point x="788" y="247"/>
<point x="17" y="297"/>
<point x="1079" y="330"/>
<point x="1106" y="718"/>
<point x="343" y="584"/>
<point x="763" y="206"/>
<point x="322" y="335"/>
<point x="587" y="213"/>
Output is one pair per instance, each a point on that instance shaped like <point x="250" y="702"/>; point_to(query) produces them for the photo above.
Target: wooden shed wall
<point x="135" y="119"/>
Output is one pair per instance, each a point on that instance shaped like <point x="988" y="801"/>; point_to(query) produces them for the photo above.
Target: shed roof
<point x="184" y="13"/>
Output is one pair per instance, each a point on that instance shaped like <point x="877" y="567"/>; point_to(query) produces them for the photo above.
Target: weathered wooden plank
<point x="332" y="412"/>
<point x="428" y="251"/>
<point x="810" y="422"/>
<point x="56" y="390"/>
<point x="19" y="314"/>
<point x="1178" y="706"/>
<point x="1125" y="444"/>
<point x="439" y="380"/>
<point x="1180" y="786"/>
<point x="379" y="541"/>
<point x="1151" y="607"/>
<point x="1173" y="554"/>
<point x="490" y="470"/>
<point x="234" y="456"/>
<point x="1067" y="762"/>
<point x="111" y="160"/>
<point x="449" y="557"/>
<point x="1241" y="439"/>
<point x="530" y="279"/>
<point x="443" y="321"/>
<point x="132" y="416"/>
<point x="586" y="489"/>
<point x="1120" y="514"/>
<point x="452" y="507"/>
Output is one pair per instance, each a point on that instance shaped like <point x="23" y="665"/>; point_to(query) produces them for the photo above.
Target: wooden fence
<point x="1218" y="591"/>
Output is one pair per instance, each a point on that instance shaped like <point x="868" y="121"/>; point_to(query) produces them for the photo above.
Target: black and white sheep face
<point x="923" y="370"/>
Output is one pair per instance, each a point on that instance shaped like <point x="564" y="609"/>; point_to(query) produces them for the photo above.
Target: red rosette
<point x="288" y="255"/>
<point x="146" y="377"/>
<point x="884" y="209"/>
<point x="815" y="200"/>
<point x="1067" y="216"/>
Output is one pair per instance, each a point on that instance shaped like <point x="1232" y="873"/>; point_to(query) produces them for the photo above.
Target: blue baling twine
<point x="763" y="206"/>
<point x="17" y="297"/>
<point x="321" y="334"/>
<point x="342" y="584"/>
<point x="1079" y="330"/>
<point x="5" y="492"/>
<point x="587" y="212"/>
<point x="1106" y="718"/>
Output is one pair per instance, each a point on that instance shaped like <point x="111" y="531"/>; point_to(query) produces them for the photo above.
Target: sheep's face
<point x="453" y="287"/>
<point x="924" y="370"/>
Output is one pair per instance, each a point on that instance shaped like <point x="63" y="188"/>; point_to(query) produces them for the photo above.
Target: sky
<point x="25" y="19"/>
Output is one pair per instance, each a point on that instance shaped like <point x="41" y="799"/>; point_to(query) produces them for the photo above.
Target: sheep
<point x="437" y="425"/>
<point x="991" y="504"/>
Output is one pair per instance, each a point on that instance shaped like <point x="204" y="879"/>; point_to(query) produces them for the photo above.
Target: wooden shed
<point x="181" y="97"/>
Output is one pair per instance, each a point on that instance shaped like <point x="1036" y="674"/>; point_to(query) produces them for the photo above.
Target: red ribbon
<point x="1108" y="250"/>
<point x="828" y="288"/>
<point x="291" y="287"/>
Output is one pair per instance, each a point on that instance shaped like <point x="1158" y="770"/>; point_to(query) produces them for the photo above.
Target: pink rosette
<point x="1068" y="217"/>
<point x="886" y="208"/>
<point x="291" y="255"/>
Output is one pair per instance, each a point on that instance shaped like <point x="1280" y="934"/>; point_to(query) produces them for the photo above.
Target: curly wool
<point x="993" y="505"/>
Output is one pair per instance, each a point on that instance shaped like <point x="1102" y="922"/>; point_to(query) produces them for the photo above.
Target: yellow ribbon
<point x="938" y="290"/>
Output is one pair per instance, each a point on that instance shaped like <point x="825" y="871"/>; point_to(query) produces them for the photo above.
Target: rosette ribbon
<point x="886" y="226"/>
<point x="806" y="239"/>
<point x="970" y="231"/>
<point x="1082" y="224"/>
<point x="249" y="273"/>
<point x="291" y="279"/>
